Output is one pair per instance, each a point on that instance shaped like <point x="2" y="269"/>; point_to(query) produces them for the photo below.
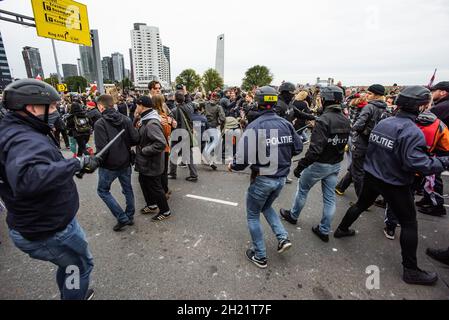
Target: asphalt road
<point x="199" y="252"/>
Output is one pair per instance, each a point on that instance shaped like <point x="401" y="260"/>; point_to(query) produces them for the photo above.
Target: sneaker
<point x="322" y="236"/>
<point x="131" y="222"/>
<point x="380" y="203"/>
<point x="162" y="216"/>
<point x="261" y="263"/>
<point x="419" y="277"/>
<point x="120" y="225"/>
<point x="437" y="211"/>
<point x="342" y="234"/>
<point x="150" y="210"/>
<point x="182" y="165"/>
<point x="171" y="177"/>
<point x="214" y="167"/>
<point x="289" y="181"/>
<point x="192" y="179"/>
<point x="286" y="215"/>
<point x="339" y="192"/>
<point x="89" y="294"/>
<point x="284" y="245"/>
<point x="389" y="233"/>
<point x="439" y="255"/>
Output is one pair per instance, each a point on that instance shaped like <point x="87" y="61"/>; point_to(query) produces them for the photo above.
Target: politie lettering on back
<point x="280" y="140"/>
<point x="382" y="141"/>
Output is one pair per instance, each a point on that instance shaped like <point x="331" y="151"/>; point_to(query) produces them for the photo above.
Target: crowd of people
<point x="397" y="141"/>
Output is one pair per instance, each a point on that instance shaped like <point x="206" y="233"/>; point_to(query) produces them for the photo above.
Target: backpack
<point x="82" y="124"/>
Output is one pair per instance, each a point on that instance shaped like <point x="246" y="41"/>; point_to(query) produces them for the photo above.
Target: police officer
<point x="274" y="137"/>
<point x="322" y="161"/>
<point x="36" y="184"/>
<point x="285" y="107"/>
<point x="396" y="152"/>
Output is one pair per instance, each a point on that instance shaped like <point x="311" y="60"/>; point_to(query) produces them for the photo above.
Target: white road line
<point x="213" y="200"/>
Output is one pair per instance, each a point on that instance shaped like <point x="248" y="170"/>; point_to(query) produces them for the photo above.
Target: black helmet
<point x="21" y="93"/>
<point x="287" y="87"/>
<point x="411" y="98"/>
<point x="332" y="94"/>
<point x="266" y="97"/>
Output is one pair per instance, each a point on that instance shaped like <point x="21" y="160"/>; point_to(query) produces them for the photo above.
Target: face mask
<point x="52" y="118"/>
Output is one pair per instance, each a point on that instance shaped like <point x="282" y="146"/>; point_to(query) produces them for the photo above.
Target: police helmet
<point x="411" y="98"/>
<point x="287" y="87"/>
<point x="332" y="94"/>
<point x="21" y="93"/>
<point x="266" y="97"/>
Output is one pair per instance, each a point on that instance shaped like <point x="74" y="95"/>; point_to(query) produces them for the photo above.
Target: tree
<point x="53" y="81"/>
<point x="75" y="84"/>
<point x="212" y="80"/>
<point x="126" y="84"/>
<point x="190" y="79"/>
<point x="258" y="76"/>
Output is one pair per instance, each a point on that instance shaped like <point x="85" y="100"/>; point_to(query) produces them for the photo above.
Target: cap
<point x="145" y="101"/>
<point x="444" y="85"/>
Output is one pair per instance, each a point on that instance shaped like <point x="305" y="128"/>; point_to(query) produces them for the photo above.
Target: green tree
<point x="53" y="81"/>
<point x="257" y="76"/>
<point x="76" y="83"/>
<point x="190" y="79"/>
<point x="212" y="80"/>
<point x="126" y="84"/>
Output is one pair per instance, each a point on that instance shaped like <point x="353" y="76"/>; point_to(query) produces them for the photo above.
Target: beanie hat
<point x="377" y="89"/>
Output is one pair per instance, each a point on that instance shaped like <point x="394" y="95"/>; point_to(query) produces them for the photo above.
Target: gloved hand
<point x="88" y="164"/>
<point x="299" y="169"/>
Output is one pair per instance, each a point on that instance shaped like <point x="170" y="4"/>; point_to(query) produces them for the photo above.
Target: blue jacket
<point x="397" y="151"/>
<point x="282" y="139"/>
<point x="36" y="182"/>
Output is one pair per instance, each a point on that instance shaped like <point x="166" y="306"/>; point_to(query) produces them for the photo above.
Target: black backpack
<point x="82" y="124"/>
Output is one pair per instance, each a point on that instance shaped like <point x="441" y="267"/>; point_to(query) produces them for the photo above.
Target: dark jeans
<point x="153" y="192"/>
<point x="82" y="142"/>
<point x="401" y="201"/>
<point x="106" y="178"/>
<point x="165" y="174"/>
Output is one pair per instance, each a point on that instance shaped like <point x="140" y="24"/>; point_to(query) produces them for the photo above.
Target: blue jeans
<point x="106" y="178"/>
<point x="260" y="197"/>
<point x="67" y="248"/>
<point x="328" y="175"/>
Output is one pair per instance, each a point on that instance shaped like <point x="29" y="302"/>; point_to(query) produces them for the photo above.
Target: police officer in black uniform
<point x="396" y="152"/>
<point x="36" y="184"/>
<point x="276" y="138"/>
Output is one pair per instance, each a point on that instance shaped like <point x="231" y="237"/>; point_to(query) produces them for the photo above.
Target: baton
<point x="303" y="128"/>
<point x="103" y="151"/>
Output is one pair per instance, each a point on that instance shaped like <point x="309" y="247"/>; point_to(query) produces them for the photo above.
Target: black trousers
<point x="58" y="134"/>
<point x="153" y="192"/>
<point x="357" y="172"/>
<point x="401" y="201"/>
<point x="345" y="182"/>
<point x="82" y="142"/>
<point x="164" y="178"/>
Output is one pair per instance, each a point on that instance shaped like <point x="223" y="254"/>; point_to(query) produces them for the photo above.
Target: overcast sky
<point x="357" y="42"/>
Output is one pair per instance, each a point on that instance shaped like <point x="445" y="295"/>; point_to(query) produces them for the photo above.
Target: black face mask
<point x="52" y="118"/>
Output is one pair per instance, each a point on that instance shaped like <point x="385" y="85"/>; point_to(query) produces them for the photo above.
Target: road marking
<point x="213" y="200"/>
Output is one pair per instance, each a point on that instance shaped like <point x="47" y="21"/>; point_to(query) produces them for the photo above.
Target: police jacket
<point x="289" y="112"/>
<point x="278" y="139"/>
<point x="397" y="150"/>
<point x="329" y="138"/>
<point x="369" y="117"/>
<point x="118" y="157"/>
<point x="36" y="182"/>
<point x="441" y="110"/>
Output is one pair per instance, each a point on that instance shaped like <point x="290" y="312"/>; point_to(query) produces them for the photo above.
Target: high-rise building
<point x="69" y="70"/>
<point x="80" y="69"/>
<point x="168" y="64"/>
<point x="127" y="74"/>
<point x="91" y="61"/>
<point x="131" y="60"/>
<point x="5" y="72"/>
<point x="148" y="59"/>
<point x="33" y="63"/>
<point x="219" y="59"/>
<point x="118" y="63"/>
<point x="108" y="69"/>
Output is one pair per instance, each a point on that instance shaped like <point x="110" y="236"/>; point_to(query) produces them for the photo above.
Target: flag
<point x="38" y="77"/>
<point x="432" y="80"/>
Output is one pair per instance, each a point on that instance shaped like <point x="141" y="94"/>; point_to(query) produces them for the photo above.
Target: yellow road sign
<point x="64" y="20"/>
<point x="62" y="87"/>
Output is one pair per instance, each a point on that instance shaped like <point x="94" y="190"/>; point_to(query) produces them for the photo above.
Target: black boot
<point x="419" y="277"/>
<point x="437" y="211"/>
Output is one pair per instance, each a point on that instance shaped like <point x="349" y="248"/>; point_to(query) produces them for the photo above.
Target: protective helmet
<point x="411" y="98"/>
<point x="287" y="87"/>
<point x="266" y="98"/>
<point x="21" y="93"/>
<point x="332" y="94"/>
